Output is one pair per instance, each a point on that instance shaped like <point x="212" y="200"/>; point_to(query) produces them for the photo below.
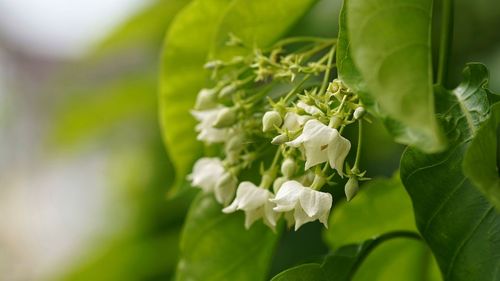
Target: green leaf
<point x="390" y="44"/>
<point x="459" y="224"/>
<point x="481" y="158"/>
<point x="145" y="29"/>
<point x="257" y="23"/>
<point x="343" y="263"/>
<point x="216" y="247"/>
<point x="381" y="205"/>
<point x="303" y="272"/>
<point x="399" y="259"/>
<point x="186" y="49"/>
<point x="346" y="68"/>
<point x="97" y="109"/>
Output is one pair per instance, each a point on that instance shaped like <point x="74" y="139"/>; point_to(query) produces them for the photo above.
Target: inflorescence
<point x="279" y="101"/>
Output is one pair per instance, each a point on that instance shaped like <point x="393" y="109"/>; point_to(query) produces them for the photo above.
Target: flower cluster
<point x="282" y="103"/>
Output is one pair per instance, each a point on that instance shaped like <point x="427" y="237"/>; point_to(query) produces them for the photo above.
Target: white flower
<point x="293" y="121"/>
<point x="322" y="143"/>
<point x="307" y="204"/>
<point x="206" y="172"/>
<point x="254" y="201"/>
<point x="205" y="129"/>
<point x="311" y="109"/>
<point x="315" y="139"/>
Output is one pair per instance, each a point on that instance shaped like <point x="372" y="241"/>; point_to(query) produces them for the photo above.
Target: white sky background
<point x="62" y="27"/>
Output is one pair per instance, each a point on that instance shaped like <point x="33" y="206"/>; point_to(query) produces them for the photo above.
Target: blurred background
<point x="83" y="171"/>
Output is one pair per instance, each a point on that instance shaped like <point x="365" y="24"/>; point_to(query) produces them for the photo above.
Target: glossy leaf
<point x="390" y="46"/>
<point x="481" y="158"/>
<point x="186" y="49"/>
<point x="459" y="224"/>
<point x="216" y="247"/>
<point x="399" y="259"/>
<point x="303" y="272"/>
<point x="257" y="23"/>
<point x="347" y="70"/>
<point x="381" y="205"/>
<point x="343" y="263"/>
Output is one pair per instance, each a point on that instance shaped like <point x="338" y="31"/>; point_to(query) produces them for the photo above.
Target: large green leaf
<point x="399" y="259"/>
<point x="459" y="224"/>
<point x="390" y="44"/>
<point x="382" y="205"/>
<point x="343" y="263"/>
<point x="481" y="159"/>
<point x="257" y="23"/>
<point x="182" y="76"/>
<point x="346" y="68"/>
<point x="216" y="247"/>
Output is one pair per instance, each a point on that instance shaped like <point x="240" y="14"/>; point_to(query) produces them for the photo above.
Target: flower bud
<point x="213" y="64"/>
<point x="234" y="143"/>
<point x="288" y="167"/>
<point x="225" y="118"/>
<point x="225" y="188"/>
<point x="278" y="182"/>
<point x="351" y="188"/>
<point x="335" y="86"/>
<point x="359" y="112"/>
<point x="280" y="139"/>
<point x="207" y="98"/>
<point x="270" y="120"/>
<point x="227" y="90"/>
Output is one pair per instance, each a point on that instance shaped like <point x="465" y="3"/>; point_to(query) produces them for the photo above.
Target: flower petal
<point x="337" y="152"/>
<point x="288" y="196"/>
<point x="315" y="203"/>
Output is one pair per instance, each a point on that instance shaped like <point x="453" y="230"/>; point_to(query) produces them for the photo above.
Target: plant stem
<point x="358" y="149"/>
<point x="446" y="40"/>
<point x="326" y="78"/>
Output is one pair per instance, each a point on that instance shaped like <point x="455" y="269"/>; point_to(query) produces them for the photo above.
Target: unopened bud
<point x="288" y="167"/>
<point x="335" y="86"/>
<point x="227" y="90"/>
<point x="270" y="120"/>
<point x="278" y="182"/>
<point x="234" y="143"/>
<point x="351" y="188"/>
<point x="225" y="188"/>
<point x="359" y="112"/>
<point x="225" y="118"/>
<point x="280" y="139"/>
<point x="207" y="98"/>
<point x="213" y="64"/>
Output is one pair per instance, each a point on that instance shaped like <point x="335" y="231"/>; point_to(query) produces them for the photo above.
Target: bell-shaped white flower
<point x="338" y="148"/>
<point x="307" y="204"/>
<point x="311" y="109"/>
<point x="315" y="139"/>
<point x="294" y="122"/>
<point x="254" y="201"/>
<point x="205" y="129"/>
<point x="206" y="172"/>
